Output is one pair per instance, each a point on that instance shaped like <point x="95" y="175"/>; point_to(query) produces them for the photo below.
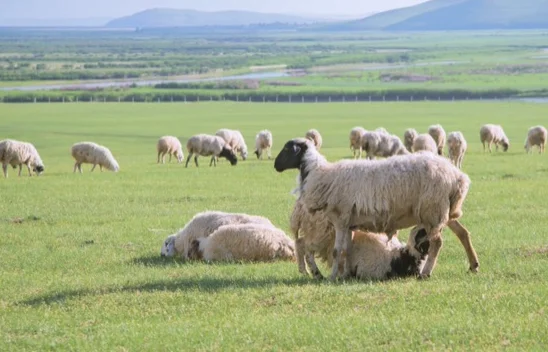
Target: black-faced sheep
<point x="381" y="196"/>
<point x="494" y="134"/>
<point x="208" y="145"/>
<point x="235" y="140"/>
<point x="17" y="153"/>
<point x="536" y="136"/>
<point x="93" y="153"/>
<point x="169" y="145"/>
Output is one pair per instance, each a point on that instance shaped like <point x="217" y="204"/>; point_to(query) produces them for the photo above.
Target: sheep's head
<point x="168" y="248"/>
<point x="243" y="153"/>
<point x="229" y="155"/>
<point x="180" y="156"/>
<point x="505" y="145"/>
<point x="411" y="258"/>
<point x="38" y="169"/>
<point x="292" y="154"/>
<point x="419" y="241"/>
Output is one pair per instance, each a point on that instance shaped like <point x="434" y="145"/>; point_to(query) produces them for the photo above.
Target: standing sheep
<point x="243" y="242"/>
<point x="315" y="137"/>
<point x="92" y="153"/>
<point x="235" y="140"/>
<point x="381" y="196"/>
<point x="356" y="141"/>
<point x="438" y="133"/>
<point x="202" y="225"/>
<point x="17" y="153"/>
<point x="263" y="141"/>
<point x="409" y="138"/>
<point x="208" y="145"/>
<point x="456" y="145"/>
<point x="536" y="136"/>
<point x="169" y="145"/>
<point x="425" y="142"/>
<point x="494" y="134"/>
<point x="382" y="145"/>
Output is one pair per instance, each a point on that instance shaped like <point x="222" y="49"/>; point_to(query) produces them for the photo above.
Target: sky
<point x="63" y="9"/>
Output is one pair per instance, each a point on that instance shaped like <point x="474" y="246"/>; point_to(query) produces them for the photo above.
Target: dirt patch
<point x="529" y="252"/>
<point x="19" y="220"/>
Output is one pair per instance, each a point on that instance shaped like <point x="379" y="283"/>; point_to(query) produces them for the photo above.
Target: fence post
<point x="453" y="98"/>
<point x="264" y="99"/>
<point x="330" y="99"/>
<point x="411" y="98"/>
<point x="302" y="99"/>
<point x="383" y="98"/>
<point x="343" y="99"/>
<point x="172" y="98"/>
<point x="184" y="96"/>
<point x="34" y="100"/>
<point x="250" y="98"/>
<point x="276" y="98"/>
<point x="133" y="99"/>
<point x="91" y="99"/>
<point x="198" y="98"/>
<point x="369" y="98"/>
<point x="237" y="98"/>
<point x="356" y="98"/>
<point x="49" y="100"/>
<point x="76" y="99"/>
<point x="104" y="99"/>
<point x="290" y="98"/>
<point x="316" y="99"/>
<point x="118" y="99"/>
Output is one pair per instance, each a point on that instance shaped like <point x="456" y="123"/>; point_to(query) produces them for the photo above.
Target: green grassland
<point x="81" y="268"/>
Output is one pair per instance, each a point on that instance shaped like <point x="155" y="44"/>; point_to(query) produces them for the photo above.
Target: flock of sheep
<point x="348" y="213"/>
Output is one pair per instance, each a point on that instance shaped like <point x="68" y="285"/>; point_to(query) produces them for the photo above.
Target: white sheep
<point x="243" y="242"/>
<point x="208" y="145"/>
<point x="356" y="141"/>
<point x="93" y="153"/>
<point x="169" y="145"/>
<point x="235" y="140"/>
<point x="381" y="196"/>
<point x="382" y="145"/>
<point x="494" y="134"/>
<point x="381" y="130"/>
<point x="17" y="153"/>
<point x="315" y="136"/>
<point x="202" y="225"/>
<point x="456" y="147"/>
<point x="438" y="133"/>
<point x="263" y="141"/>
<point x="536" y="136"/>
<point x="425" y="142"/>
<point x="409" y="137"/>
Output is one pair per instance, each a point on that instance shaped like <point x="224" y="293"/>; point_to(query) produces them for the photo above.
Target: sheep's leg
<point x="188" y="159"/>
<point x="489" y="147"/>
<point x="212" y="160"/>
<point x="169" y="157"/>
<point x="483" y="146"/>
<point x="196" y="160"/>
<point x="159" y="153"/>
<point x="299" y="251"/>
<point x="29" y="169"/>
<point x="5" y="169"/>
<point x="436" y="243"/>
<point x="80" y="167"/>
<point x="93" y="168"/>
<point x="311" y="261"/>
<point x="269" y="153"/>
<point x="464" y="237"/>
<point x="20" y="169"/>
<point x="343" y="242"/>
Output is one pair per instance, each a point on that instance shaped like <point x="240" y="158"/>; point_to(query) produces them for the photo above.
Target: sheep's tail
<point x="457" y="197"/>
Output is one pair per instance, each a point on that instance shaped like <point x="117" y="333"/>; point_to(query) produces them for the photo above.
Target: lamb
<point x="438" y="133"/>
<point x="536" y="136"/>
<point x="17" y="153"/>
<point x="425" y="142"/>
<point x="169" y="145"/>
<point x="355" y="140"/>
<point x="92" y="153"/>
<point x="315" y="137"/>
<point x="456" y="145"/>
<point x="202" y="225"/>
<point x="494" y="134"/>
<point x="381" y="196"/>
<point x="409" y="138"/>
<point x="235" y="140"/>
<point x="382" y="145"/>
<point x="243" y="242"/>
<point x="208" y="145"/>
<point x="263" y="141"/>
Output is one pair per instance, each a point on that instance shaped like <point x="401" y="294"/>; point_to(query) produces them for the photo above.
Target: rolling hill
<point x="458" y="15"/>
<point x="193" y="18"/>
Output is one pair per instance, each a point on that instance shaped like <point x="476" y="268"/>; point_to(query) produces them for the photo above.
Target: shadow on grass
<point x="156" y="260"/>
<point x="204" y="284"/>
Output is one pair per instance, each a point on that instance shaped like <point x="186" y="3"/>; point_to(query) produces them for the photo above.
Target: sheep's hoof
<point x="423" y="277"/>
<point x="474" y="269"/>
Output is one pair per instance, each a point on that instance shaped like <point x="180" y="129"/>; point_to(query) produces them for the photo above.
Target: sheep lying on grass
<point x="315" y="136"/>
<point x="494" y="134"/>
<point x="425" y="142"/>
<point x="456" y="145"/>
<point x="235" y="140"/>
<point x="356" y="141"/>
<point x="17" y="153"/>
<point x="536" y="136"/>
<point x="93" y="153"/>
<point x="202" y="225"/>
<point x="438" y="134"/>
<point x="208" y="145"/>
<point x="263" y="141"/>
<point x="409" y="137"/>
<point x="169" y="145"/>
<point x="243" y="242"/>
<point x="381" y="196"/>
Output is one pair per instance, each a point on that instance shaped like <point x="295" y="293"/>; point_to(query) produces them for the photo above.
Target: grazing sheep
<point x="381" y="196"/>
<point x="235" y="140"/>
<point x="456" y="145"/>
<point x="263" y="141"/>
<point x="243" y="242"/>
<point x="438" y="133"/>
<point x="202" y="225"/>
<point x="409" y="138"/>
<point x="425" y="142"/>
<point x="536" y="136"/>
<point x="381" y="130"/>
<point x="93" y="153"/>
<point x="356" y="141"/>
<point x="315" y="137"/>
<point x="17" y="153"/>
<point x="169" y="145"/>
<point x="382" y="145"/>
<point x="494" y="134"/>
<point x="208" y="145"/>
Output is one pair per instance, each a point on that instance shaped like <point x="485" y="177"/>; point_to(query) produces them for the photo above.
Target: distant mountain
<point x="193" y="18"/>
<point x="458" y="15"/>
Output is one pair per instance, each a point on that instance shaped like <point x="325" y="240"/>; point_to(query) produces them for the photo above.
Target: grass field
<point x="81" y="268"/>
